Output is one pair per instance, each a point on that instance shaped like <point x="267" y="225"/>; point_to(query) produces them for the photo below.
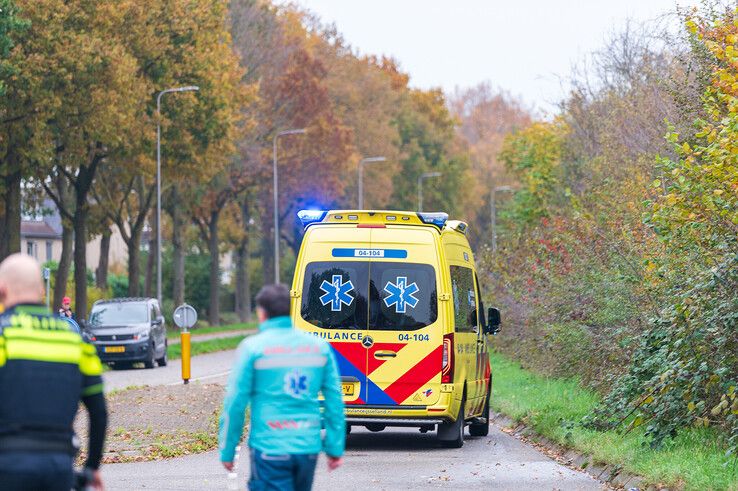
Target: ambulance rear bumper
<point x="410" y="422"/>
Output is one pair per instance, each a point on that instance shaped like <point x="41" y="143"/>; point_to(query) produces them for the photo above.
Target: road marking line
<point x="215" y="375"/>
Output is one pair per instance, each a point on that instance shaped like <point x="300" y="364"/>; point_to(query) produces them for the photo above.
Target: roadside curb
<point x="610" y="474"/>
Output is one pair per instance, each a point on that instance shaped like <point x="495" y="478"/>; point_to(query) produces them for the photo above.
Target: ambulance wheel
<point x="451" y="435"/>
<point x="481" y="429"/>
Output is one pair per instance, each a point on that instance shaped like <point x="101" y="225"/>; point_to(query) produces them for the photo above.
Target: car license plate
<point x="115" y="349"/>
<point x="348" y="389"/>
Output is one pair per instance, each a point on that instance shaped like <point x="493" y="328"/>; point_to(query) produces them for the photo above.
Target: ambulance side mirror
<point x="493" y="321"/>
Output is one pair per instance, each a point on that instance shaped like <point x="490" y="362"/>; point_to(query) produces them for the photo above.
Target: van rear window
<point x="334" y="295"/>
<point x="369" y="295"/>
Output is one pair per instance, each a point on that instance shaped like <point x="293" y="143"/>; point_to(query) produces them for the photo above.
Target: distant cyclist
<point x="280" y="372"/>
<point x="45" y="371"/>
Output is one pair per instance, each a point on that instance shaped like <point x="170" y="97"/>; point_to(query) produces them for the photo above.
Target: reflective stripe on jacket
<point x="279" y="373"/>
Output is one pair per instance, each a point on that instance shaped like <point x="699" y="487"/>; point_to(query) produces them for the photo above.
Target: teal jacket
<point x="280" y="372"/>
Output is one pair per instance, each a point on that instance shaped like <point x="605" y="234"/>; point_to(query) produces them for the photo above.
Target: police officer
<point x="45" y="370"/>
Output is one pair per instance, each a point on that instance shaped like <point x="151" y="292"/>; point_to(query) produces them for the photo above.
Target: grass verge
<point x="554" y="408"/>
<point x="174" y="332"/>
<point x="174" y="351"/>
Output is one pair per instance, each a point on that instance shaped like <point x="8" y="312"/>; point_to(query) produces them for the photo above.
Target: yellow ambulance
<point x="396" y="295"/>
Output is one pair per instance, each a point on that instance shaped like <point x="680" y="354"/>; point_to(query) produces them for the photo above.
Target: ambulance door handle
<point x="385" y="354"/>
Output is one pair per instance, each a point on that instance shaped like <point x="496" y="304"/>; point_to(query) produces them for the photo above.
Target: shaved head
<point x="20" y="281"/>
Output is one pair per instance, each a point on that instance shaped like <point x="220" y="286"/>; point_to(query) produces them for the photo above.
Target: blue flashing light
<point x="308" y="217"/>
<point x="437" y="219"/>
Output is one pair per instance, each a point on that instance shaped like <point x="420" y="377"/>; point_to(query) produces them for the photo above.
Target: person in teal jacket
<point x="280" y="372"/>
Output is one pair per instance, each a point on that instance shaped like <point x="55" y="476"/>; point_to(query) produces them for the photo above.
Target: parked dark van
<point x="128" y="330"/>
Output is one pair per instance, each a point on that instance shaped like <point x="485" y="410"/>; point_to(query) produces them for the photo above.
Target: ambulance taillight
<point x="447" y="372"/>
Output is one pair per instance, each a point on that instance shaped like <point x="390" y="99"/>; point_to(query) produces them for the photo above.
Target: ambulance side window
<point x="334" y="294"/>
<point x="465" y="299"/>
<point x="482" y="315"/>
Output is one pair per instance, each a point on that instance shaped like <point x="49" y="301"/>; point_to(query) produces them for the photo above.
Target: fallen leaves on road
<point x="152" y="423"/>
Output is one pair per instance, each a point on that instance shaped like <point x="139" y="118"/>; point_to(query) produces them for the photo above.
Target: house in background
<point x="41" y="237"/>
<point x="40" y="240"/>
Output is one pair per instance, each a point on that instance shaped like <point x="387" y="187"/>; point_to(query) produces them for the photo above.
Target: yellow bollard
<point x="185" y="337"/>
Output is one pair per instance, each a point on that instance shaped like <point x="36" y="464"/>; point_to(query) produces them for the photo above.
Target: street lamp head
<point x="188" y="88"/>
<point x="431" y="174"/>
<point x="373" y="159"/>
<point x="300" y="131"/>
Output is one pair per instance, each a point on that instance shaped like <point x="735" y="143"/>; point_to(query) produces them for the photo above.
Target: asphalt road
<point x="397" y="459"/>
<point x="213" y="368"/>
<point x="392" y="459"/>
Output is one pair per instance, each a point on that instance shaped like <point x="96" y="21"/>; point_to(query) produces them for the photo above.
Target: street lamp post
<point x="423" y="176"/>
<point x="300" y="131"/>
<point x="367" y="160"/>
<point x="493" y="212"/>
<point x="188" y="88"/>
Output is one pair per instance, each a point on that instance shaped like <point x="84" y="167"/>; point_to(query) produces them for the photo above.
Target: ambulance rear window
<point x="402" y="296"/>
<point x="334" y="294"/>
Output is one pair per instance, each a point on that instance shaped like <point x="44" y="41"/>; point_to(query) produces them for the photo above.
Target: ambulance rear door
<point x="404" y="338"/>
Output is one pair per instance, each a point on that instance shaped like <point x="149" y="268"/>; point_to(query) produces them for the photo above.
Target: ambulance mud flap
<point x="451" y="435"/>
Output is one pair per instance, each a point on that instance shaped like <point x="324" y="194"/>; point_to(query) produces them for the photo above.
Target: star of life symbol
<point x="401" y="295"/>
<point x="336" y="293"/>
<point x="295" y="383"/>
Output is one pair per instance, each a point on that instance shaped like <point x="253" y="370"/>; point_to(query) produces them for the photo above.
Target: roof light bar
<point x="437" y="219"/>
<point x="308" y="217"/>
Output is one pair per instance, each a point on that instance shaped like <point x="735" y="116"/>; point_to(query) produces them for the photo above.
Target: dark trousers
<point x="35" y="471"/>
<point x="287" y="472"/>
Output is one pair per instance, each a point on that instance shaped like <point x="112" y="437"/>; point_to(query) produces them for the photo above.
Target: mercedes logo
<point x="114" y="337"/>
<point x="367" y="341"/>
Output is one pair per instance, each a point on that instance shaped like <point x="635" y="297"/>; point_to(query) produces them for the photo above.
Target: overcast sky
<point x="523" y="46"/>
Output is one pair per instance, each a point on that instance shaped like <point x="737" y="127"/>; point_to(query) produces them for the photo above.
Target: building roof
<point x="38" y="230"/>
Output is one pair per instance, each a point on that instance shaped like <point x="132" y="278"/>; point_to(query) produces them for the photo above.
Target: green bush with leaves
<point x="685" y="370"/>
<point x="618" y="253"/>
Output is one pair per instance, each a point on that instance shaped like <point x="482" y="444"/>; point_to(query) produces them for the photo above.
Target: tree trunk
<point x="243" y="282"/>
<point x="178" y="249"/>
<point x="214" y="309"/>
<point x="151" y="261"/>
<point x="238" y="302"/>
<point x="65" y="264"/>
<point x="101" y="275"/>
<point x="80" y="259"/>
<point x="11" y="239"/>
<point x="134" y="263"/>
<point x="267" y="256"/>
<point x="81" y="185"/>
